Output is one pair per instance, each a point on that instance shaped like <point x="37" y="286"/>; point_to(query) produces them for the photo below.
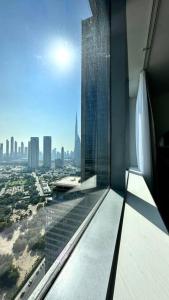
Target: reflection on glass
<point x="55" y="71"/>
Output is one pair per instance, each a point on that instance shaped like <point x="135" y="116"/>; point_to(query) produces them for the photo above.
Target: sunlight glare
<point x="61" y="55"/>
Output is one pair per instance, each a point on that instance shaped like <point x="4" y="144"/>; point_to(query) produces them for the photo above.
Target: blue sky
<point x="37" y="96"/>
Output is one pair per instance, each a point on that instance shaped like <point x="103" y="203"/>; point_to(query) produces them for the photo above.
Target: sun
<point x="61" y="55"/>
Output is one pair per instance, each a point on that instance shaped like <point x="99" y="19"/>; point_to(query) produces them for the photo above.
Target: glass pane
<point x="54" y="142"/>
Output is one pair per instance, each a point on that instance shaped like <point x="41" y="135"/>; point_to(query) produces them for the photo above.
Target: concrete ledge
<point x="87" y="272"/>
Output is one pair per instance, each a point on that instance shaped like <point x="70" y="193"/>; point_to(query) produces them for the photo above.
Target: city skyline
<point x="13" y="149"/>
<point x="37" y="87"/>
<point x="55" y="145"/>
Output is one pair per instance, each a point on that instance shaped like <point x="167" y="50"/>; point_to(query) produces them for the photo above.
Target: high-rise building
<point x="34" y="153"/>
<point x="26" y="152"/>
<point x="22" y="149"/>
<point x="62" y="156"/>
<point x="16" y="148"/>
<point x="71" y="154"/>
<point x="1" y="152"/>
<point x="29" y="153"/>
<point x="88" y="99"/>
<point x="54" y="154"/>
<point x="58" y="155"/>
<point x="77" y="150"/>
<point x="12" y="147"/>
<point x="47" y="148"/>
<point x="95" y="102"/>
<point x="7" y="149"/>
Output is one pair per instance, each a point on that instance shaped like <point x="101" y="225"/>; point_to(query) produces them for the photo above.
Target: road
<point x="32" y="282"/>
<point x="38" y="185"/>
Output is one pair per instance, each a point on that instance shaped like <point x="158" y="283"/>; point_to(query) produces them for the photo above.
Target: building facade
<point x="88" y="99"/>
<point x="77" y="148"/>
<point x="12" y="147"/>
<point x="1" y="152"/>
<point x="33" y="161"/>
<point x="47" y="148"/>
<point x="62" y="156"/>
<point x="7" y="149"/>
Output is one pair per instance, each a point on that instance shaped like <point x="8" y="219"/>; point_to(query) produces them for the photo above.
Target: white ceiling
<point x="138" y="21"/>
<point x="138" y="25"/>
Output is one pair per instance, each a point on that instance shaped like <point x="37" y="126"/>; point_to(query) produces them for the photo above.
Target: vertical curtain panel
<point x="143" y="140"/>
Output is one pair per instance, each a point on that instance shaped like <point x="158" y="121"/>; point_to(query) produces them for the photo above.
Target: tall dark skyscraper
<point x="16" y="148"/>
<point x="12" y="147"/>
<point x="22" y="149"/>
<point x="26" y="152"/>
<point x="62" y="156"/>
<point x="47" y="149"/>
<point x="1" y="152"/>
<point x="95" y="103"/>
<point x="77" y="148"/>
<point x="7" y="149"/>
<point x="34" y="153"/>
<point x="29" y="154"/>
<point x="88" y="99"/>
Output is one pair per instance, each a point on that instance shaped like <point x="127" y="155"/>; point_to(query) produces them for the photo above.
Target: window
<point x="54" y="73"/>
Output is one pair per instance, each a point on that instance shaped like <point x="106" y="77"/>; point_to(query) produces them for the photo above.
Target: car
<point x="21" y="296"/>
<point x="30" y="282"/>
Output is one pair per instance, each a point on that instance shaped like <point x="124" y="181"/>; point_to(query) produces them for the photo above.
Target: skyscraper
<point x="29" y="154"/>
<point x="95" y="103"/>
<point x="19" y="151"/>
<point x="16" y="148"/>
<point x="34" y="153"/>
<point x="88" y="99"/>
<point x="77" y="147"/>
<point x="1" y="152"/>
<point x="47" y="148"/>
<point x="54" y="154"/>
<point x="12" y="147"/>
<point x="7" y="149"/>
<point x="62" y="156"/>
<point x="26" y="152"/>
<point x="22" y="149"/>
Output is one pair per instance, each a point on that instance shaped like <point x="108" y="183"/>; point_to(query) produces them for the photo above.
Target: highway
<point x="32" y="282"/>
<point x="38" y="185"/>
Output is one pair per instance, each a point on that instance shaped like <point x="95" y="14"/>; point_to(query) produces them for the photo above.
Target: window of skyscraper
<point x="54" y="141"/>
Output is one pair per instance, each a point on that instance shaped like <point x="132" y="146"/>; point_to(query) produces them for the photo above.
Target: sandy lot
<point x="24" y="263"/>
<point x="7" y="245"/>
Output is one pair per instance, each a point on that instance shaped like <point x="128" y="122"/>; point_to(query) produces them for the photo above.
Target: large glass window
<point x="54" y="121"/>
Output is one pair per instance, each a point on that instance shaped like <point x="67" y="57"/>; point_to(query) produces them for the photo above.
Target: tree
<point x="8" y="273"/>
<point x="20" y="245"/>
<point x="9" y="277"/>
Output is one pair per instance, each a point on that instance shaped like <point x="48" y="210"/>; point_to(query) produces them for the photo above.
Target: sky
<point x="40" y="69"/>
